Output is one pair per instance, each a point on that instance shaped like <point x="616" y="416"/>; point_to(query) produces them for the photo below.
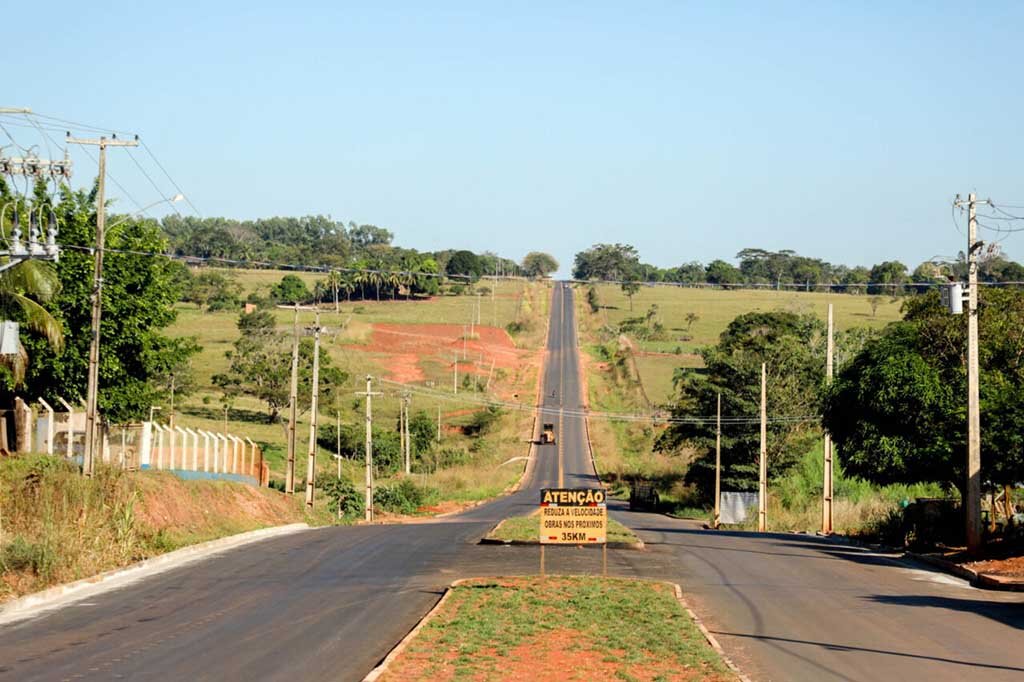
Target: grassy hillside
<point x="408" y="341"/>
<point x="639" y="379"/>
<point x="57" y="526"/>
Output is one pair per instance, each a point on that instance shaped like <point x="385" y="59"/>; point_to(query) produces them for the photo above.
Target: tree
<point x="23" y="288"/>
<point x="792" y="346"/>
<point x="214" y="290"/>
<point x="256" y="368"/>
<point x="261" y="367"/>
<point x="888" y="278"/>
<point x="608" y="262"/>
<point x="538" y="264"/>
<point x="690" y="318"/>
<point x="722" y="273"/>
<point x="139" y="294"/>
<point x="464" y="263"/>
<point x="897" y="410"/>
<point x="290" y="289"/>
<point x="422" y="431"/>
<point x="630" y="287"/>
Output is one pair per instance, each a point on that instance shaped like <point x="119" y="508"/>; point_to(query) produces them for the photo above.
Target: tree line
<point x="786" y="268"/>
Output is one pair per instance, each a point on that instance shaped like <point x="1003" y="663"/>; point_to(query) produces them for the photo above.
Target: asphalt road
<point x="330" y="603"/>
<point x="324" y="604"/>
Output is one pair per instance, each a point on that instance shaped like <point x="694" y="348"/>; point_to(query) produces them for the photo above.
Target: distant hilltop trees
<point x="786" y="268"/>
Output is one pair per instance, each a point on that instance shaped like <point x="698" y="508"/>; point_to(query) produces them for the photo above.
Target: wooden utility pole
<point x="972" y="503"/>
<point x="827" y="512"/>
<point x="92" y="387"/>
<point x="313" y="410"/>
<point x="718" y="463"/>
<point x="369" y="446"/>
<point x="762" y="494"/>
<point x="293" y="408"/>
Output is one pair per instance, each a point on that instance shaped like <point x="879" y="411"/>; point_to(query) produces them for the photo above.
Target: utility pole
<point x="369" y="446"/>
<point x="972" y="503"/>
<point x="455" y="375"/>
<point x="408" y="442"/>
<point x="293" y="408"/>
<point x="92" y="388"/>
<point x="170" y="417"/>
<point x="827" y="511"/>
<point x="718" y="463"/>
<point x="438" y="423"/>
<point x="313" y="409"/>
<point x="337" y="446"/>
<point x="762" y="495"/>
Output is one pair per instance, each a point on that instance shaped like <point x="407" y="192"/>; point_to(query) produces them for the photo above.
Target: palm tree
<point x="333" y="281"/>
<point x="22" y="287"/>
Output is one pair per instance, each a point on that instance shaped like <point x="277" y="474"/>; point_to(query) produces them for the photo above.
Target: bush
<point x="21" y="555"/>
<point x="482" y="421"/>
<point x="341" y="493"/>
<point x="403" y="497"/>
<point x="514" y="328"/>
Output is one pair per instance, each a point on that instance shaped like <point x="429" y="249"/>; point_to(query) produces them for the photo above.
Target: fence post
<point x="48" y="447"/>
<point x="252" y="459"/>
<point x="159" y="447"/>
<point x="206" y="450"/>
<point x="195" y="450"/>
<point x="22" y="426"/>
<point x="70" y="436"/>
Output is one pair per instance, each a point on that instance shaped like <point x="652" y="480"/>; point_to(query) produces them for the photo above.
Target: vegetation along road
<point x="330" y="603"/>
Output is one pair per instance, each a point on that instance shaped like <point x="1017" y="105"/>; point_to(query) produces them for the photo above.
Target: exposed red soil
<point x="1012" y="567"/>
<point x="405" y="345"/>
<point x="169" y="503"/>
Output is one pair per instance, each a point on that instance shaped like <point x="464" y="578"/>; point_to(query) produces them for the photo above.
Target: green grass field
<point x="346" y="342"/>
<point x="657" y="360"/>
<point x="559" y="628"/>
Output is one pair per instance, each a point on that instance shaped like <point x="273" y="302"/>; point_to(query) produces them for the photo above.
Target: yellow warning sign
<point x="574" y="516"/>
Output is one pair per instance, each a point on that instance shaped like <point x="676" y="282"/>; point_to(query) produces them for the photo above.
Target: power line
<point x="589" y="414"/>
<point x="146" y="148"/>
<point x="159" y="192"/>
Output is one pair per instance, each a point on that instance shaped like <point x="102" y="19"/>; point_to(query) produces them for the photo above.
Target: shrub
<point x="403" y="497"/>
<point x="482" y="421"/>
<point x="341" y="493"/>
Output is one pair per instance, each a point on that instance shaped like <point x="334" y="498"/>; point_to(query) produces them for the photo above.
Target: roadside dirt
<point x="1012" y="567"/>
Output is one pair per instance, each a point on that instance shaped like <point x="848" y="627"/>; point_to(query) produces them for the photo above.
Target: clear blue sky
<point x="690" y="130"/>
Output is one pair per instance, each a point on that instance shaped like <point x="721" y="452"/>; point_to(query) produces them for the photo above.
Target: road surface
<point x="330" y="603"/>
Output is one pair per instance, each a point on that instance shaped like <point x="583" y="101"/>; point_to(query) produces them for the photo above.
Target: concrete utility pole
<point x="369" y="446"/>
<point x="408" y="441"/>
<point x="313" y="410"/>
<point x="718" y="463"/>
<point x="455" y="375"/>
<point x="826" y="490"/>
<point x="92" y="388"/>
<point x="337" y="446"/>
<point x="293" y="408"/>
<point x="762" y="495"/>
<point x="972" y="503"/>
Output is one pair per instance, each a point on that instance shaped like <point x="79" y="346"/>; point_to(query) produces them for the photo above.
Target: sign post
<point x="574" y="516"/>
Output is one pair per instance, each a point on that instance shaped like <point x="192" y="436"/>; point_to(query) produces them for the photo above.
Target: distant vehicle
<point x="547" y="435"/>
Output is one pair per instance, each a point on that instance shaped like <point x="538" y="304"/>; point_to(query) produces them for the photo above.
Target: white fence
<point x="146" y="445"/>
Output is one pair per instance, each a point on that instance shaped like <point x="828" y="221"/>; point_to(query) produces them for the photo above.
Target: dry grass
<point x="57" y="526"/>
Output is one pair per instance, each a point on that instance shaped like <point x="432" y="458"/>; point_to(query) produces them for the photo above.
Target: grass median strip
<point x="527" y="529"/>
<point x="566" y="628"/>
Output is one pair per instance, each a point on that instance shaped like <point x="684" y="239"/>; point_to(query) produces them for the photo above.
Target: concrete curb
<point x="38" y="603"/>
<point x="707" y="634"/>
<point x="986" y="581"/>
<point x="382" y="667"/>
